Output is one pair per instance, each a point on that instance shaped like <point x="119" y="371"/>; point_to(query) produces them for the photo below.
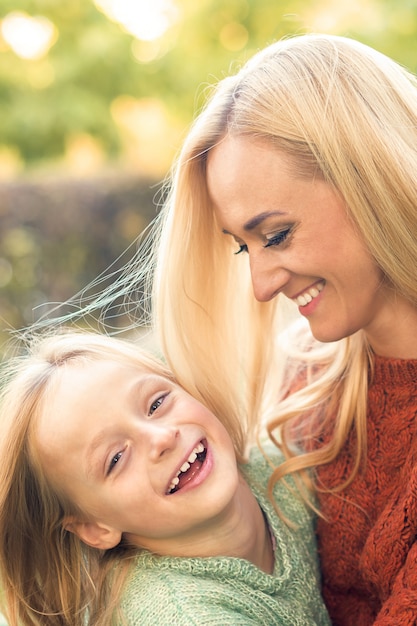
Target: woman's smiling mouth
<point x="189" y="468"/>
<point x="309" y="295"/>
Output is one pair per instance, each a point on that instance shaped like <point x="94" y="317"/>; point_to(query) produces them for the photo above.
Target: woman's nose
<point x="268" y="278"/>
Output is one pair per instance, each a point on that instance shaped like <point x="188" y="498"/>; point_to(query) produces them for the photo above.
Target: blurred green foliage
<point x="93" y="61"/>
<point x="101" y="100"/>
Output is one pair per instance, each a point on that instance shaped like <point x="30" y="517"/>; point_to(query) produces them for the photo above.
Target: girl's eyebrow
<point x="92" y="461"/>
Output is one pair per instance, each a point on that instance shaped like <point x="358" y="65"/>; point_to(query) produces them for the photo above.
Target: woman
<point x="304" y="165"/>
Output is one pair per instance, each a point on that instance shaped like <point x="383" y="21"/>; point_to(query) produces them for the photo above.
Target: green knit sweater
<point x="173" y="591"/>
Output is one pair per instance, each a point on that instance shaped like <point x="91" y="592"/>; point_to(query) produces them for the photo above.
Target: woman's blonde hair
<point x="47" y="575"/>
<point x="339" y="110"/>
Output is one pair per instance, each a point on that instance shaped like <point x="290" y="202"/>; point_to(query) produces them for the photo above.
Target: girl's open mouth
<point x="190" y="468"/>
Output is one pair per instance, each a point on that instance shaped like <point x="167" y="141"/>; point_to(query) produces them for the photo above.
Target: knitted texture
<point x="225" y="591"/>
<point x="368" y="545"/>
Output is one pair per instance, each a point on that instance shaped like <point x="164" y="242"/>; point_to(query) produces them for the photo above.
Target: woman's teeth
<point x="309" y="295"/>
<point x="186" y="466"/>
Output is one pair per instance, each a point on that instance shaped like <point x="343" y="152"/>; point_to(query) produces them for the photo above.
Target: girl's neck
<point x="254" y="536"/>
<point x="241" y="532"/>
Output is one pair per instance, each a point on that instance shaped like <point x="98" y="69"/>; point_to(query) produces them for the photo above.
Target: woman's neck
<point x="395" y="333"/>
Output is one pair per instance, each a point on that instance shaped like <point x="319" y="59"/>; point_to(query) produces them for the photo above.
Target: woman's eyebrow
<point x="258" y="219"/>
<point x="255" y="221"/>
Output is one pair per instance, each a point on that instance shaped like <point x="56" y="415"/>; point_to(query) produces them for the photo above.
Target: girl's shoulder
<point x="190" y="591"/>
<point x="262" y="459"/>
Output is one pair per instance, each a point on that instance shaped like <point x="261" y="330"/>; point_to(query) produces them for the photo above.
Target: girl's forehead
<point x="89" y="362"/>
<point x="79" y="378"/>
<point x="82" y="387"/>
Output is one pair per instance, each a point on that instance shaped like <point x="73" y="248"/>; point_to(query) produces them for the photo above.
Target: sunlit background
<point x="93" y="82"/>
<point x="95" y="99"/>
<point x="147" y="133"/>
<point x="146" y="21"/>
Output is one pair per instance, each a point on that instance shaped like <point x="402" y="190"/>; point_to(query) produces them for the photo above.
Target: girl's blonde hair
<point x="339" y="110"/>
<point x="47" y="575"/>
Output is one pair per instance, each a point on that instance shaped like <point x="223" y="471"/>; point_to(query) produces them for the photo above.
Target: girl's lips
<point x="189" y="469"/>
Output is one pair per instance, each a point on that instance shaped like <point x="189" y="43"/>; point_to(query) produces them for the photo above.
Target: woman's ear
<point x="93" y="534"/>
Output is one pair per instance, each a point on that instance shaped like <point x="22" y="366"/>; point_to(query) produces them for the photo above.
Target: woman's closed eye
<point x="274" y="240"/>
<point x="278" y="238"/>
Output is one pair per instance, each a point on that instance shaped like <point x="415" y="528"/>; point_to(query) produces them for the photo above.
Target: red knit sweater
<point x="368" y="546"/>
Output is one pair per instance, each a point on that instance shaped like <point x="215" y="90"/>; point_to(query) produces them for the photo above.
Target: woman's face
<point x="299" y="240"/>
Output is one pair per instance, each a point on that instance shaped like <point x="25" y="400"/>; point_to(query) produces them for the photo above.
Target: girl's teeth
<point x="186" y="465"/>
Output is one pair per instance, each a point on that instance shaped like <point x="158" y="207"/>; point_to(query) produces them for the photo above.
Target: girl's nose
<point x="267" y="279"/>
<point x="160" y="438"/>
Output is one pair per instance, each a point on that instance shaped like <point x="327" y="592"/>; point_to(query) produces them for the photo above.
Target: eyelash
<point x="276" y="240"/>
<point x="156" y="404"/>
<point x="154" y="407"/>
<point x="115" y="459"/>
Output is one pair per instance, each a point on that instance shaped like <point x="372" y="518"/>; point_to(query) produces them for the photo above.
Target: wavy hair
<point x="340" y="110"/>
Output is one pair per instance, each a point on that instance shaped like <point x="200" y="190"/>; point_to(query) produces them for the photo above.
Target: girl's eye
<point x="115" y="459"/>
<point x="242" y="248"/>
<point x="278" y="239"/>
<point x="156" y="404"/>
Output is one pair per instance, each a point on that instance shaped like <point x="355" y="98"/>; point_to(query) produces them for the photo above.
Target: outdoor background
<point x="95" y="99"/>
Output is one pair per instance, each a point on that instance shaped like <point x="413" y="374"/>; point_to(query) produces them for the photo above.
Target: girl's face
<point x="299" y="240"/>
<point x="137" y="455"/>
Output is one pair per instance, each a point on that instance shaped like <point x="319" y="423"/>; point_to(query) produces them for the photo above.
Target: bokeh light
<point x="28" y="37"/>
<point x="144" y="19"/>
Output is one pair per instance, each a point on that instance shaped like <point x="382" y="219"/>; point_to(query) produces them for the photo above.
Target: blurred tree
<point x="100" y="91"/>
<point x="46" y="100"/>
<point x="57" y="235"/>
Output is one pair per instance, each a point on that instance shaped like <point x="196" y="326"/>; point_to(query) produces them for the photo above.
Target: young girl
<point x="122" y="501"/>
